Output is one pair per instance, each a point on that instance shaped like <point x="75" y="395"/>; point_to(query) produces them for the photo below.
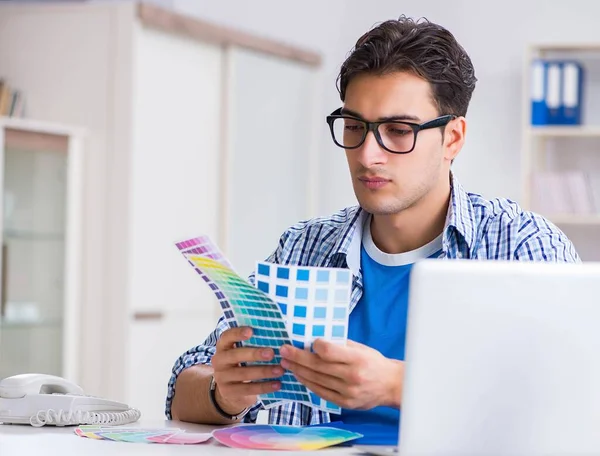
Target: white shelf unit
<point x="564" y="132"/>
<point x="545" y="147"/>
<point x="187" y="121"/>
<point x="38" y="160"/>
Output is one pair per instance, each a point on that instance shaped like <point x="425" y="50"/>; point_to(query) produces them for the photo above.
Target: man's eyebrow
<point x="406" y="117"/>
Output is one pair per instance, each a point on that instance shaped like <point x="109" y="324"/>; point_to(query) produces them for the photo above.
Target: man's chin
<point x="381" y="208"/>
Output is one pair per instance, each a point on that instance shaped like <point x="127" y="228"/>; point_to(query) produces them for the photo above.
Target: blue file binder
<point x="539" y="111"/>
<point x="553" y="93"/>
<point x="571" y="93"/>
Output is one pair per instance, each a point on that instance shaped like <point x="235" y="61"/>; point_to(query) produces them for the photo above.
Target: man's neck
<point x="413" y="227"/>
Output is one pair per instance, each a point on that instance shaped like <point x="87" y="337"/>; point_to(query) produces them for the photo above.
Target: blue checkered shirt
<point x="475" y="228"/>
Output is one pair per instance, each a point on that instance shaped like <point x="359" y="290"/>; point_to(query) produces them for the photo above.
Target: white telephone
<point x="39" y="399"/>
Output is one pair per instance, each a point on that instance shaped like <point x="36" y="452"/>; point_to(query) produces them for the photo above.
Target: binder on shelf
<point x="571" y="96"/>
<point x="553" y="93"/>
<point x="539" y="110"/>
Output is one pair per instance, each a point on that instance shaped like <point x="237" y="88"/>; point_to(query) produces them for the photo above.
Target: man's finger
<point x="303" y="357"/>
<point x="325" y="353"/>
<point x="243" y="374"/>
<point x="335" y="353"/>
<point x="231" y="336"/>
<point x="334" y="383"/>
<point x="229" y="358"/>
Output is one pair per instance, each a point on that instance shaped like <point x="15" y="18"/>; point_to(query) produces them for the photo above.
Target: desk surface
<point x="60" y="441"/>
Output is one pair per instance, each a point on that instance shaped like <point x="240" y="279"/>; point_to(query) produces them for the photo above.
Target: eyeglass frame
<point x="440" y="121"/>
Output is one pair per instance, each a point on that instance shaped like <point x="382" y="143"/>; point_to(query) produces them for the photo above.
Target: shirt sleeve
<point x="540" y="240"/>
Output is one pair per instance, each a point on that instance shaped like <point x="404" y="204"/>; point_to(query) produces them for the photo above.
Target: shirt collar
<point x="461" y="215"/>
<point x="349" y="243"/>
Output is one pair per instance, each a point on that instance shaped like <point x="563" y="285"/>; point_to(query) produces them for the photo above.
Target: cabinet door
<point x="156" y="341"/>
<point x="34" y="243"/>
<point x="175" y="168"/>
<point x="271" y="128"/>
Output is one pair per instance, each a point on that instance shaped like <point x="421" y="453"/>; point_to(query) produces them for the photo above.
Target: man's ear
<point x="454" y="137"/>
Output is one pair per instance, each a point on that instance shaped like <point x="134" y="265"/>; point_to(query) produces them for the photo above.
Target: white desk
<point x="19" y="440"/>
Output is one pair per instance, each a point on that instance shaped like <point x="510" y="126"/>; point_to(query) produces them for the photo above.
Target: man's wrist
<point x="221" y="405"/>
<point x="396" y="379"/>
<point x="231" y="410"/>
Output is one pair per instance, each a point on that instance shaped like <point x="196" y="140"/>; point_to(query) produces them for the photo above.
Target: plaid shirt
<point x="475" y="228"/>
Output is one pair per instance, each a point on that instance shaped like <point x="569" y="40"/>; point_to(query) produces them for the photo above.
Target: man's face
<point x="387" y="183"/>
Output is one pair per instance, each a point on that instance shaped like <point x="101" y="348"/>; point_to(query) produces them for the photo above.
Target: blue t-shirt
<point x="379" y="318"/>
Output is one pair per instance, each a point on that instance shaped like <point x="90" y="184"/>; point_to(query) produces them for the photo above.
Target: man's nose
<point x="371" y="153"/>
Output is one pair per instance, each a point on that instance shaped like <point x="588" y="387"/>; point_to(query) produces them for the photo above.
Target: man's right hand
<point x="234" y="391"/>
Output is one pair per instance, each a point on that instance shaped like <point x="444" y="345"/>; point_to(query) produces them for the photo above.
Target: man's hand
<point x="353" y="376"/>
<point x="234" y="391"/>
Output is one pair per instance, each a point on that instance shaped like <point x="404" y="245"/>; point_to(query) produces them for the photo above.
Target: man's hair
<point x="419" y="47"/>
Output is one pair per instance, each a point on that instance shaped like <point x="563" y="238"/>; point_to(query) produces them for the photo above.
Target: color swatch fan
<point x="141" y="435"/>
<point x="272" y="321"/>
<point x="264" y="437"/>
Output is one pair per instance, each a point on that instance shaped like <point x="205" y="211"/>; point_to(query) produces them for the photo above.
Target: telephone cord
<point x="66" y="418"/>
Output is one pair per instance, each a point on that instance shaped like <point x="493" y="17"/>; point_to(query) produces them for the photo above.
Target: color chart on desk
<point x="282" y="438"/>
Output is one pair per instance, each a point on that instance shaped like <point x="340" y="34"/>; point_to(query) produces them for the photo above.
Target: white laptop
<point x="503" y="358"/>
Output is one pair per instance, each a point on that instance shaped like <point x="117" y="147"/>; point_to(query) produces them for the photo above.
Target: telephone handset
<point x="40" y="399"/>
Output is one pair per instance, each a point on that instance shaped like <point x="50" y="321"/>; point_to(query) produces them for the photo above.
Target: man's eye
<point x="399" y="131"/>
<point x="354" y="128"/>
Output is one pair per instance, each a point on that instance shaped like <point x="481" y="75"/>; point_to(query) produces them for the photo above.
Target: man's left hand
<point x="352" y="376"/>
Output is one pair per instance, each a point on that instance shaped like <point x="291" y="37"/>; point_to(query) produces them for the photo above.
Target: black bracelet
<point x="220" y="411"/>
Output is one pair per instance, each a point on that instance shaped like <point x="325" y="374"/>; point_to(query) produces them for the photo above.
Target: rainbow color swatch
<point x="141" y="435"/>
<point x="265" y="437"/>
<point x="249" y="307"/>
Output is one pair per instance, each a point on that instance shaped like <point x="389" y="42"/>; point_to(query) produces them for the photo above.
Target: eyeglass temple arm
<point x="439" y="122"/>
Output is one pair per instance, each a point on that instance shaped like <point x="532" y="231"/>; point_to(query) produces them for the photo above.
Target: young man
<point x="405" y="90"/>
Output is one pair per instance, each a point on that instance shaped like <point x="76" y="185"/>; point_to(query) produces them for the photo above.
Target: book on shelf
<point x="12" y="102"/>
<point x="566" y="192"/>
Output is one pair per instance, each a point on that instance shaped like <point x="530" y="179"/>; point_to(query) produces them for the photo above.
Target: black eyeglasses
<point x="397" y="137"/>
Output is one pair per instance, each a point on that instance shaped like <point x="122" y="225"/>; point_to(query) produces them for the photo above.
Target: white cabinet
<point x="193" y="129"/>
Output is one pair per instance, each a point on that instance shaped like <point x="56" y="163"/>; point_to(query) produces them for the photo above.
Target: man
<point x="405" y="90"/>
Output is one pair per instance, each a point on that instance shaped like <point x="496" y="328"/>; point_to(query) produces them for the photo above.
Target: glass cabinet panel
<point x="34" y="193"/>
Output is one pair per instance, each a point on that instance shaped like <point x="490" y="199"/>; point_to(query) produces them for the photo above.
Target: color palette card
<point x="141" y="435"/>
<point x="314" y="303"/>
<point x="265" y="437"/>
<point x="273" y="310"/>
